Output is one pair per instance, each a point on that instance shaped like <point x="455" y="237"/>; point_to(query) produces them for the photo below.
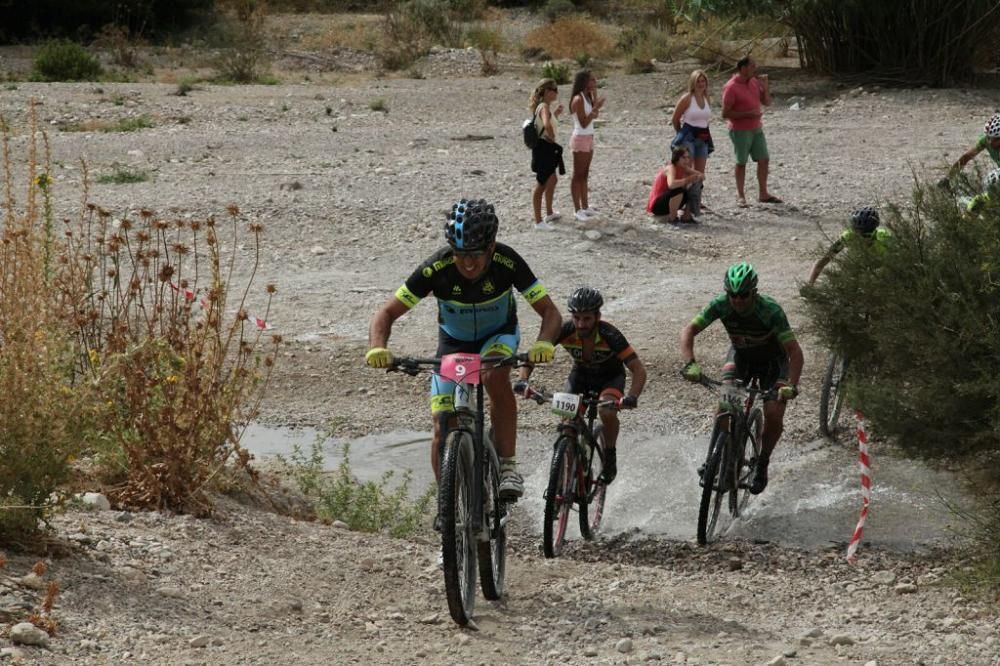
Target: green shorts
<point x="749" y="143"/>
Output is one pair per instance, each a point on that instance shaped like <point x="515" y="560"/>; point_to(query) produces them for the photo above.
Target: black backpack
<point x="530" y="132"/>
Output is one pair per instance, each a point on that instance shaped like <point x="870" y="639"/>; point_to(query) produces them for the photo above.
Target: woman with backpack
<point x="546" y="156"/>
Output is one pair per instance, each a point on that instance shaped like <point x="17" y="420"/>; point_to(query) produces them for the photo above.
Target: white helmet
<point x="992" y="127"/>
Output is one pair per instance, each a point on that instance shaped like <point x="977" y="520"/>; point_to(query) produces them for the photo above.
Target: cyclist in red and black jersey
<point x="600" y="355"/>
<point x="763" y="345"/>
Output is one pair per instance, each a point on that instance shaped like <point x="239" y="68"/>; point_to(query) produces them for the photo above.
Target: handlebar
<point x="414" y="365"/>
<point x="717" y="386"/>
<point x="587" y="399"/>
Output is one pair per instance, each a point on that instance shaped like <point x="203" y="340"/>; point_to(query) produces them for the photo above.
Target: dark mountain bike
<point x="831" y="396"/>
<point x="733" y="451"/>
<point x="471" y="515"/>
<point x="577" y="463"/>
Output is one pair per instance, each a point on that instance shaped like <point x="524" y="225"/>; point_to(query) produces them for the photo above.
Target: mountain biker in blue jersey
<point x="473" y="279"/>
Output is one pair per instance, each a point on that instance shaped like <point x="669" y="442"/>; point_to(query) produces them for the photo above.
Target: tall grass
<point x="127" y="339"/>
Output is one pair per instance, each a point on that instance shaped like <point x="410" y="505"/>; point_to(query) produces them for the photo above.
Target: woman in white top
<point x="585" y="106"/>
<point x="546" y="156"/>
<point x="691" y="118"/>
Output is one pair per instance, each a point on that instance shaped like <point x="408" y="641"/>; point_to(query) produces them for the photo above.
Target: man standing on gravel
<point x="742" y="97"/>
<point x="472" y="278"/>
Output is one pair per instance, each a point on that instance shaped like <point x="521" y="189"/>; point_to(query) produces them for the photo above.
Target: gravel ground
<point x="352" y="199"/>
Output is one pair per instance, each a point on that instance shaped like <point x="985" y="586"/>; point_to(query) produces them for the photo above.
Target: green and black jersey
<point x="759" y="333"/>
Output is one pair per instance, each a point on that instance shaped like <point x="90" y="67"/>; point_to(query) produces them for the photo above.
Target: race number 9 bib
<point x="461" y="368"/>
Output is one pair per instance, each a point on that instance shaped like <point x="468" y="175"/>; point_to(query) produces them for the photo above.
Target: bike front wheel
<point x="592" y="502"/>
<point x="458" y="549"/>
<point x="493" y="542"/>
<point x="713" y="486"/>
<point x="831" y="397"/>
<point x="559" y="496"/>
<point x="748" y="460"/>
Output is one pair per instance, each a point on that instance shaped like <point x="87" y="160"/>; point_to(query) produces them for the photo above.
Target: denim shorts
<point x="697" y="148"/>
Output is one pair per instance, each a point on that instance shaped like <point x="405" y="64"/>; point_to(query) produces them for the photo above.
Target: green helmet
<point x="740" y="278"/>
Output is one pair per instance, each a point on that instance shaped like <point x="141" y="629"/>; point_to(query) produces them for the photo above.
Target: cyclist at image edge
<point x="865" y="223"/>
<point x="600" y="355"/>
<point x="763" y="345"/>
<point x="472" y="278"/>
<point x="989" y="141"/>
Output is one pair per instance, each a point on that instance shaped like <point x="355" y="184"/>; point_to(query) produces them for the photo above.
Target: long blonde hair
<point x="693" y="82"/>
<point x="539" y="93"/>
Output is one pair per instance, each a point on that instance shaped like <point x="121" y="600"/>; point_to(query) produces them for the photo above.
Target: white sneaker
<point x="511" y="484"/>
<point x="553" y="216"/>
<point x="581" y="216"/>
<point x="544" y="226"/>
<point x="590" y="212"/>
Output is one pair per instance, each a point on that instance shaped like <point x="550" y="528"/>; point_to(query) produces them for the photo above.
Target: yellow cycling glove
<point x="788" y="392"/>
<point x="691" y="371"/>
<point x="541" y="352"/>
<point x="378" y="357"/>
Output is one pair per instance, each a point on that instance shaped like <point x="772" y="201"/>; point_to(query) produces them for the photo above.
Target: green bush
<point x="558" y="72"/>
<point x="370" y="506"/>
<point x="921" y="325"/>
<point x="63" y="60"/>
<point x="554" y="9"/>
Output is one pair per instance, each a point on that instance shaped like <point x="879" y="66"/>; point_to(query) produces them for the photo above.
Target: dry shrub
<point x="121" y="44"/>
<point x="358" y="33"/>
<point x="245" y="58"/>
<point x="570" y="36"/>
<point x="489" y="42"/>
<point x="42" y="415"/>
<point x="177" y="367"/>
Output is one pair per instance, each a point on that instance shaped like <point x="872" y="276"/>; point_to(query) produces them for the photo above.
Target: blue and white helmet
<point x="471" y="226"/>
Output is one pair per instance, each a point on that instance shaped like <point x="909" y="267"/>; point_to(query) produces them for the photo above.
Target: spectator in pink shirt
<point x="742" y="97"/>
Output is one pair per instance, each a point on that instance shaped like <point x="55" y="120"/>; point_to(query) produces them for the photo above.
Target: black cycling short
<point x="580" y="381"/>
<point x="771" y="369"/>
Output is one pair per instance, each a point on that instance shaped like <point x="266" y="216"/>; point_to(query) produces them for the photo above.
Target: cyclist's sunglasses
<point x="739" y="297"/>
<point x="469" y="254"/>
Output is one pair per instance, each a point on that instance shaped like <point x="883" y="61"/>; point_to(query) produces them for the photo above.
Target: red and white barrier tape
<point x="189" y="296"/>
<point x="866" y="487"/>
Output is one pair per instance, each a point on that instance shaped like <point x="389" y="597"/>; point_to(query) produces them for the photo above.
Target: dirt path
<point x="352" y="199"/>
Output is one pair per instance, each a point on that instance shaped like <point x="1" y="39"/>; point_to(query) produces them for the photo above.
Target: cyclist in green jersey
<point x="763" y="346"/>
<point x="989" y="141"/>
<point x="865" y="223"/>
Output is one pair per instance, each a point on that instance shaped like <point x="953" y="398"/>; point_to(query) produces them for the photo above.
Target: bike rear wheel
<point x="713" y="488"/>
<point x="560" y="495"/>
<point x="458" y="549"/>
<point x="748" y="460"/>
<point x="592" y="502"/>
<point x="493" y="548"/>
<point x="831" y="398"/>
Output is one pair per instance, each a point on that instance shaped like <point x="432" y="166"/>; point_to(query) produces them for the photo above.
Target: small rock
<point x="199" y="641"/>
<point x="25" y="633"/>
<point x="434" y="618"/>
<point x="592" y="234"/>
<point x="96" y="501"/>
<point x="884" y="577"/>
<point x="905" y="588"/>
<point x="734" y="563"/>
<point x="871" y="663"/>
<point x="463" y="639"/>
<point x="624" y="645"/>
<point x="795" y="107"/>
<point x="778" y="661"/>
<point x="170" y="592"/>
<point x="340" y="525"/>
<point x="790" y="652"/>
<point x="841" y="639"/>
<point x="815" y="632"/>
<point x="32" y="581"/>
<point x="589" y="651"/>
<point x="371" y="628"/>
<point x="318" y="250"/>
